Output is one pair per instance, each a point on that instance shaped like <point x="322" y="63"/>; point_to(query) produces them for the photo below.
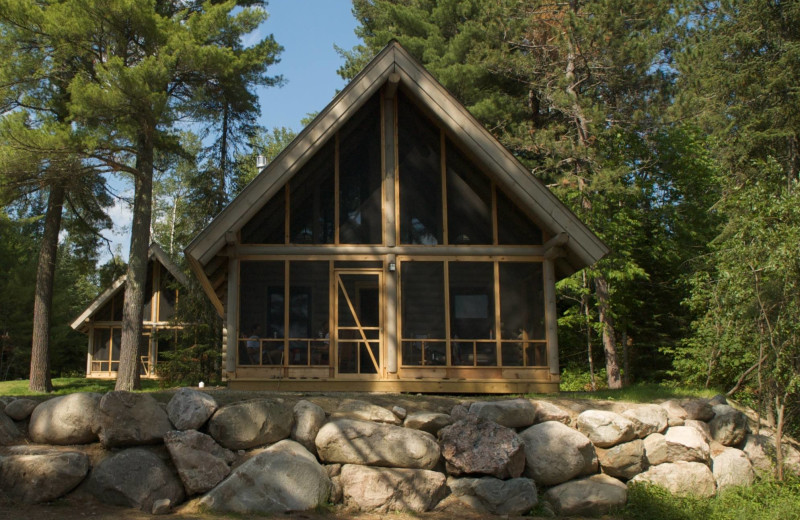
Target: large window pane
<point x="261" y="308"/>
<point x="308" y="313"/>
<point x="513" y="225"/>
<point x="268" y="225"/>
<point x="521" y="301"/>
<point x="360" y="215"/>
<point x="469" y="201"/>
<point x="423" y="312"/>
<point x="311" y="207"/>
<point x="168" y="296"/>
<point x="420" y="176"/>
<point x="472" y="313"/>
<point x="148" y="294"/>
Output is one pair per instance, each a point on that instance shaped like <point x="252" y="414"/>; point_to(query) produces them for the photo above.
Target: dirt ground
<point x="80" y="505"/>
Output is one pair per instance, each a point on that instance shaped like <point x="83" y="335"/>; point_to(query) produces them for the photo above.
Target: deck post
<point x="231" y="314"/>
<point x="550" y="315"/>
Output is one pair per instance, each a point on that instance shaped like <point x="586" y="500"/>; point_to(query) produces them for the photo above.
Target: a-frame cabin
<point x="394" y="245"/>
<point x="102" y="319"/>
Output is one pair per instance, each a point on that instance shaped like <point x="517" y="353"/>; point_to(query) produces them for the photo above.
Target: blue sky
<point x="307" y="30"/>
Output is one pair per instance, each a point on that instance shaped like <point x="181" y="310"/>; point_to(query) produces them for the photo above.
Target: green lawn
<point x="69" y="385"/>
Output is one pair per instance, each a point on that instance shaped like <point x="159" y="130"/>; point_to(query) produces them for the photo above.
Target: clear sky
<point x="307" y="30"/>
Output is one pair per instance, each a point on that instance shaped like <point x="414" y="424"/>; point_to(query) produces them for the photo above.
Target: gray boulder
<point x="201" y="462"/>
<point x="655" y="449"/>
<point x="308" y="419"/>
<point x="594" y="495"/>
<point x="284" y="477"/>
<point x="512" y="413"/>
<point x="675" y="412"/>
<point x="135" y="478"/>
<point x="363" y="411"/>
<point x="731" y="468"/>
<point x="349" y="441"/>
<point x="516" y="496"/>
<point x="475" y="446"/>
<point x="605" y="429"/>
<point x="400" y="412"/>
<point x="43" y="476"/>
<point x="428" y="421"/>
<point x="680" y="478"/>
<point x="391" y="489"/>
<point x="64" y="420"/>
<point x="189" y="409"/>
<point x="701" y="427"/>
<point x="21" y="409"/>
<point x="556" y="453"/>
<point x="760" y="449"/>
<point x="9" y="433"/>
<point x="729" y="425"/>
<point x="687" y="444"/>
<point x="251" y="424"/>
<point x="623" y="460"/>
<point x="547" y="411"/>
<point x="647" y="419"/>
<point x="698" y="410"/>
<point x="129" y="419"/>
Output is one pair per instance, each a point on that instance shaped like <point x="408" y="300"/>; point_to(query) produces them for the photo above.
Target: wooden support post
<point x="90" y="357"/>
<point x="232" y="315"/>
<point x="550" y="316"/>
<point x="391" y="315"/>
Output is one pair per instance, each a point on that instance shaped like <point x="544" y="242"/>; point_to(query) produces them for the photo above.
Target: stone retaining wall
<point x="272" y="456"/>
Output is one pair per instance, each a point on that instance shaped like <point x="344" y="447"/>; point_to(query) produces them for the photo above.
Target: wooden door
<point x="359" y="323"/>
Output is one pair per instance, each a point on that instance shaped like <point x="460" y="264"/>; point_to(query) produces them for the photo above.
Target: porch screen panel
<point x="116" y="344"/>
<point x="261" y="312"/>
<point x="148" y="293"/>
<point x="522" y="314"/>
<point x="423" y="313"/>
<point x="420" y="176"/>
<point x="472" y="327"/>
<point x="311" y="205"/>
<point x="268" y="225"/>
<point x="101" y="361"/>
<point x="514" y="227"/>
<point x="469" y="201"/>
<point x="309" y="317"/>
<point x="118" y="303"/>
<point x="168" y="296"/>
<point x="360" y="210"/>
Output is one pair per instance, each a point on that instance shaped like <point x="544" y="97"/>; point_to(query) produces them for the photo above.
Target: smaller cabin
<point x="101" y="321"/>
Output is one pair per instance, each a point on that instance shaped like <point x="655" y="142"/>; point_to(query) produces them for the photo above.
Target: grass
<point x="643" y="393"/>
<point x="765" y="500"/>
<point x="69" y="385"/>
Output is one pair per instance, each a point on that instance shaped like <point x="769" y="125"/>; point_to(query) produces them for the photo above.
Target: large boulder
<point x="64" y="420"/>
<point x="729" y="425"/>
<point x="43" y="476"/>
<point x="731" y="468"/>
<point x="21" y="409"/>
<point x="623" y="460"/>
<point x="428" y="421"/>
<point x="308" y="419"/>
<point x="363" y="411"/>
<point x="251" y="424"/>
<point x="136" y="478"/>
<point x="593" y="495"/>
<point x="516" y="496"/>
<point x="556" y="453"/>
<point x="350" y="441"/>
<point x="605" y="429"/>
<point x="129" y="419"/>
<point x="647" y="419"/>
<point x="680" y="478"/>
<point x="760" y="449"/>
<point x="201" y="462"/>
<point x="676" y="415"/>
<point x="511" y="413"/>
<point x="655" y="449"/>
<point x="189" y="409"/>
<point x="698" y="410"/>
<point x="391" y="489"/>
<point x="547" y="411"/>
<point x="9" y="433"/>
<point x="475" y="446"/>
<point x="685" y="443"/>
<point x="284" y="477"/>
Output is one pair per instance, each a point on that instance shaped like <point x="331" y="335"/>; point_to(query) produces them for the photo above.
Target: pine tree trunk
<point x="587" y="314"/>
<point x="223" y="160"/>
<point x="128" y="373"/>
<point x="43" y="300"/>
<point x="609" y="342"/>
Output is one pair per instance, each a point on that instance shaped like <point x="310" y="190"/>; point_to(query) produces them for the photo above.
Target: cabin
<point x="395" y="246"/>
<point x="101" y="321"/>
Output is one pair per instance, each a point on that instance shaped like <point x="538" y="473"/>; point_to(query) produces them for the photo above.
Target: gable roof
<point x="580" y="245"/>
<point x="153" y="253"/>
